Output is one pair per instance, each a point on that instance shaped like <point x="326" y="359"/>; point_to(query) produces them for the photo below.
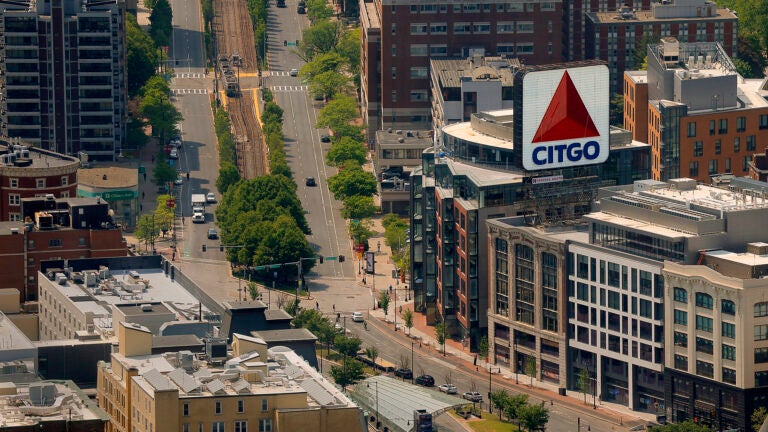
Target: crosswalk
<point x="288" y="88"/>
<point x="189" y="91"/>
<point x="275" y="73"/>
<point x="190" y="75"/>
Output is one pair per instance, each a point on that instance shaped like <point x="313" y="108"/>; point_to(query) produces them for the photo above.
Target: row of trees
<point x="527" y="416"/>
<point x="152" y="225"/>
<point x="160" y="20"/>
<point x="228" y="173"/>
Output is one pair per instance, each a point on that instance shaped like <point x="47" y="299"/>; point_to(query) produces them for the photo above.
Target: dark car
<point x="425" y="380"/>
<point x="310" y="181"/>
<point x="404" y="373"/>
<point x="325" y="139"/>
<point x="300" y="10"/>
<point x="212" y="234"/>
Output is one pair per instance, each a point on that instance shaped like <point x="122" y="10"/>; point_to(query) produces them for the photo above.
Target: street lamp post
<point x="578" y="423"/>
<point x="490" y="374"/>
<point x="413" y="366"/>
<point x="594" y="391"/>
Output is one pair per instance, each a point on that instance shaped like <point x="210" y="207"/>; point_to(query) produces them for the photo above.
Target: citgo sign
<point x="565" y="117"/>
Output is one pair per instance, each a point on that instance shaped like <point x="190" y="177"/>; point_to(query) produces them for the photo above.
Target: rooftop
<point x="638" y="76"/>
<point x="6" y="227"/>
<point x="559" y="232"/>
<point x="297" y="334"/>
<point x="747" y="258"/>
<point x="96" y="290"/>
<point x="452" y="72"/>
<point x="481" y="176"/>
<point x="45" y="401"/>
<point x="11" y="338"/>
<point x="108" y="177"/>
<point x="629" y="17"/>
<point x="399" y="138"/>
<point x="15" y="155"/>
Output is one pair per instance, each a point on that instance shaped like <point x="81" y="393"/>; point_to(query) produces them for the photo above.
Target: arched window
<point x="728" y="307"/>
<point x="680" y="295"/>
<point x="704" y="300"/>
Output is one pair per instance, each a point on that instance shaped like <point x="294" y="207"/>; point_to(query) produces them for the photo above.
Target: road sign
<point x="260" y="268"/>
<point x="360" y="247"/>
<point x="275" y="266"/>
<point x="118" y="195"/>
<point x="170" y="203"/>
<point x="331" y="258"/>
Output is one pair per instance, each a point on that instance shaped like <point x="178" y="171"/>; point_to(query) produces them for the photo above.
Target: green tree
<point x="344" y="149"/>
<point x="320" y="38"/>
<point x="752" y="52"/>
<point x="322" y="63"/>
<point x="348" y="347"/>
<point x="141" y="54"/>
<point x="156" y="107"/>
<point x="318" y="10"/>
<point x="440" y="334"/>
<point x="408" y="319"/>
<point x="482" y="347"/>
<point x="534" y="417"/>
<point x="228" y="176"/>
<point x="582" y="382"/>
<point x="349" y="373"/>
<point x="686" y="426"/>
<point x="253" y="290"/>
<point x="514" y="406"/>
<point x="328" y="84"/>
<point x="358" y="207"/>
<point x="499" y="399"/>
<point x="384" y="301"/>
<point x="284" y="243"/>
<point x="639" y="55"/>
<point x="360" y="230"/>
<point x="372" y="353"/>
<point x="137" y="138"/>
<point x="293" y="307"/>
<point x="145" y="230"/>
<point x="617" y="110"/>
<point x="163" y="172"/>
<point x="530" y="368"/>
<point x="758" y="418"/>
<point x="160" y="23"/>
<point x="352" y="182"/>
<point x="337" y="113"/>
<point x="349" y="48"/>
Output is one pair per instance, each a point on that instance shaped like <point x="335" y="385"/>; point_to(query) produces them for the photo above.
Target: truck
<point x="198" y="202"/>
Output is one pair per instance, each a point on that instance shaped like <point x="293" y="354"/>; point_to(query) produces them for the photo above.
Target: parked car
<point x="473" y="396"/>
<point x="310" y="181"/>
<point x="404" y="373"/>
<point x="211" y="197"/>
<point x="425" y="380"/>
<point x="357" y="316"/>
<point x="325" y="138"/>
<point x="198" y="218"/>
<point x="294" y="72"/>
<point x="179" y="179"/>
<point x="300" y="10"/>
<point x="212" y="234"/>
<point x="447" y="388"/>
<point x="173" y="154"/>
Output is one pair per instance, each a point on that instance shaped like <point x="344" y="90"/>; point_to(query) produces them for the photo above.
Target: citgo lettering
<point x="573" y="152"/>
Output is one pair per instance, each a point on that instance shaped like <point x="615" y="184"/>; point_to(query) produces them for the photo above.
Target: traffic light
<point x="285" y="43"/>
<point x="341" y="258"/>
<point x="204" y="248"/>
<point x="321" y="259"/>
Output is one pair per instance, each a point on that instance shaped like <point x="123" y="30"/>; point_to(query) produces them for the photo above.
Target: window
<point x="718" y="147"/>
<point x="217" y="427"/>
<point x="728" y="330"/>
<point x="763" y="121"/>
<point x="418" y="50"/>
<point x="185" y="410"/>
<point x="761" y="379"/>
<point x="681" y="295"/>
<point x="745" y="162"/>
<point x="394" y="28"/>
<point x="761" y="332"/>
<point x="705" y="369"/>
<point x="240" y="405"/>
<point x="693" y="169"/>
<point x="462" y="28"/>
<point x="418" y="95"/>
<point x="729" y="376"/>
<point x="241" y="426"/>
<point x="505" y="27"/>
<point x="218" y="407"/>
<point x="525" y="26"/>
<point x="704" y="345"/>
<point x="394" y="72"/>
<point x="761" y="355"/>
<point x="525" y="48"/>
<point x="736" y="145"/>
<point x="438" y="28"/>
<point x="751" y="143"/>
<point x="712" y="166"/>
<point x="14" y="182"/>
<point x="437" y="50"/>
<point x="14" y="199"/>
<point x="481" y="28"/>
<point x="681" y="339"/>
<point x="185" y="427"/>
<point x="64" y="181"/>
<point x="728" y="307"/>
<point x="394" y="95"/>
<point x="418" y="72"/>
<point x="691" y="129"/>
<point x="265" y="425"/>
<point x="698" y="148"/>
<point x="681" y="362"/>
<point x="704" y="323"/>
<point x="704" y="300"/>
<point x="741" y="124"/>
<point x="394" y="50"/>
<point x="14" y="216"/>
<point x="40" y="183"/>
<point x="419" y="28"/>
<point x="761" y="309"/>
<point x="711" y="127"/>
<point x="723" y="129"/>
<point x="54" y="243"/>
<point x="264" y="405"/>
<point x="681" y="317"/>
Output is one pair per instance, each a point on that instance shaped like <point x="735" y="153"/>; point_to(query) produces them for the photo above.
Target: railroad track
<point x="234" y="34"/>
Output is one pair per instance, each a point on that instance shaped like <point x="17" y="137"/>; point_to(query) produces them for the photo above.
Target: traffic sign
<point x="331" y="258"/>
<point x="170" y="203"/>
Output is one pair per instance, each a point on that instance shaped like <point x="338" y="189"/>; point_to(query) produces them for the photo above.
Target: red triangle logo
<point x="566" y="116"/>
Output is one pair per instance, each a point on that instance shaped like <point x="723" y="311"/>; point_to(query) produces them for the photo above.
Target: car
<point x="300" y="10"/>
<point x="294" y="72"/>
<point x="325" y="138"/>
<point x="174" y="154"/>
<point x="212" y="234"/>
<point x="473" y="396"/>
<point x="425" y="380"/>
<point x="310" y="181"/>
<point x="404" y="373"/>
<point x="179" y="179"/>
<point x="447" y="388"/>
<point x="176" y="143"/>
<point x="211" y="197"/>
<point x="357" y="316"/>
<point x="198" y="218"/>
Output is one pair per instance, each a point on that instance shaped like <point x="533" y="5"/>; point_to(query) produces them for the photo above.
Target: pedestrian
<point x="401" y="308"/>
<point x="475" y="359"/>
<point x="364" y="280"/>
<point x="378" y="246"/>
<point x="187" y="175"/>
<point x="145" y="176"/>
<point x="141" y="207"/>
<point x="334" y="307"/>
<point x="317" y="305"/>
<point x="390" y="288"/>
<point x="153" y="158"/>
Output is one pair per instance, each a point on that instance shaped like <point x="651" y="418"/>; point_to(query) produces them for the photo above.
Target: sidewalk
<point x="460" y="355"/>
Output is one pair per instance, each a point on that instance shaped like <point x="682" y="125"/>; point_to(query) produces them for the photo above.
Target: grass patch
<point x="489" y="423"/>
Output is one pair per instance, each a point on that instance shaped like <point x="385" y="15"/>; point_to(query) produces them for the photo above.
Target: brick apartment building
<point x="400" y="38"/>
<point x="613" y="35"/>
<point x="574" y="22"/>
<point x="28" y="172"/>
<point x="64" y="228"/>
<point x="66" y="100"/>
<point x="702" y="118"/>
